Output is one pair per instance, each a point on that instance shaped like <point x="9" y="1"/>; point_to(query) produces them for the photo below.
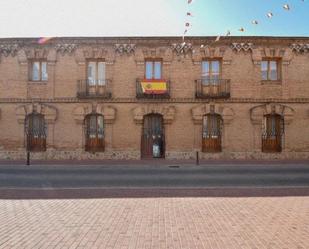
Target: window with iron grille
<point x="36" y="132"/>
<point x="273" y="131"/>
<point x="211" y="133"/>
<point x="94" y="131"/>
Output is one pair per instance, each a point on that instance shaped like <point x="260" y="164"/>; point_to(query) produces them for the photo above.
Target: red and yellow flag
<point x="154" y="86"/>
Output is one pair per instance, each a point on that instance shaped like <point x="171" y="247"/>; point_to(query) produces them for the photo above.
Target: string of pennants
<point x="269" y="15"/>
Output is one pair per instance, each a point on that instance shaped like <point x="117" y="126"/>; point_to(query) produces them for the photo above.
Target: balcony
<point x="94" y="89"/>
<point x="152" y="89"/>
<point x="212" y="88"/>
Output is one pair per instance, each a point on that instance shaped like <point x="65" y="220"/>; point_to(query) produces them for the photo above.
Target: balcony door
<point x="211" y="71"/>
<point x="96" y="81"/>
<point x="153" y="140"/>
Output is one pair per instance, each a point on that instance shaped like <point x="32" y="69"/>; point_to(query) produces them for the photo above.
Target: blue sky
<point x="35" y="18"/>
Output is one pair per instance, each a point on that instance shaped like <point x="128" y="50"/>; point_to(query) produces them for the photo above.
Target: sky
<point x="52" y="18"/>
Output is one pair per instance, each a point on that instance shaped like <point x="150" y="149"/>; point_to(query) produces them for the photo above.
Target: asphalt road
<point x="167" y="176"/>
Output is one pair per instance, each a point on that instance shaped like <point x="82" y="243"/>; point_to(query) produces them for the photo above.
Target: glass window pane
<point x="273" y="70"/>
<point x="215" y="71"/>
<point x="92" y="126"/>
<point x="264" y="69"/>
<point x="91" y="73"/>
<point x="100" y="127"/>
<point x="149" y="72"/>
<point x="44" y="71"/>
<point x="205" y="127"/>
<point x="157" y="70"/>
<point x="215" y="67"/>
<point x="101" y="73"/>
<point x="205" y="72"/>
<point x="36" y="70"/>
<point x="205" y="68"/>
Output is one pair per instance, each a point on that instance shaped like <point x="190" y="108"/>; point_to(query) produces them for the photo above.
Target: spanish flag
<point x="154" y="86"/>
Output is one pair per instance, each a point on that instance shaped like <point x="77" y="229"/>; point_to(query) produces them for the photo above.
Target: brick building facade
<point x="133" y="97"/>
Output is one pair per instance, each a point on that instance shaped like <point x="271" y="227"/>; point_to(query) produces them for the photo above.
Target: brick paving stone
<point x="175" y="223"/>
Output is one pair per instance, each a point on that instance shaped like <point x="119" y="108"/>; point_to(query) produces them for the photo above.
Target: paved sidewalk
<point x="179" y="223"/>
<point x="155" y="162"/>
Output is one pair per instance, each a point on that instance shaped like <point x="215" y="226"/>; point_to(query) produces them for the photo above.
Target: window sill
<point x="271" y="82"/>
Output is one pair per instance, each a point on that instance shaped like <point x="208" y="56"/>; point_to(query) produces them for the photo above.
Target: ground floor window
<point x="94" y="131"/>
<point x="273" y="130"/>
<point x="35" y="129"/>
<point x="211" y="135"/>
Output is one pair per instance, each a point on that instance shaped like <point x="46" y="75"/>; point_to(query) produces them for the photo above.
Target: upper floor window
<point x="153" y="69"/>
<point x="211" y="70"/>
<point x="38" y="71"/>
<point x="96" y="73"/>
<point x="270" y="70"/>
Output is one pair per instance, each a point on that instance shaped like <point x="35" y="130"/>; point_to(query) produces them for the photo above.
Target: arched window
<point x="273" y="130"/>
<point x="35" y="129"/>
<point x="211" y="137"/>
<point x="94" y="131"/>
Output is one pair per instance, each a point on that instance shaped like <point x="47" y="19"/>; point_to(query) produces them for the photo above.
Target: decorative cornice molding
<point x="108" y="112"/>
<point x="257" y="113"/>
<point x="272" y="52"/>
<point x="244" y="46"/>
<point x="9" y="49"/>
<point x="299" y="47"/>
<point x="225" y="112"/>
<point x="164" y="53"/>
<point x="34" y="53"/>
<point x="50" y="113"/>
<point x="66" y="48"/>
<point x="182" y="48"/>
<point x="155" y="101"/>
<point x="125" y="48"/>
<point x="168" y="112"/>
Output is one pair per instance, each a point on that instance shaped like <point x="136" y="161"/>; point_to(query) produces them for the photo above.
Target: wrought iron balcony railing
<point x="152" y="89"/>
<point x="212" y="88"/>
<point x="94" y="89"/>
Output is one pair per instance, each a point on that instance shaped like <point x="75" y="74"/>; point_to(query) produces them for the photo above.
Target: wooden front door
<point x="35" y="132"/>
<point x="272" y="134"/>
<point x="211" y="137"/>
<point x="153" y="141"/>
<point x="94" y="125"/>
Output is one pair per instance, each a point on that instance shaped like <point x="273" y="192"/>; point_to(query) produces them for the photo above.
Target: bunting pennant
<point x="43" y="40"/>
<point x="269" y="15"/>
